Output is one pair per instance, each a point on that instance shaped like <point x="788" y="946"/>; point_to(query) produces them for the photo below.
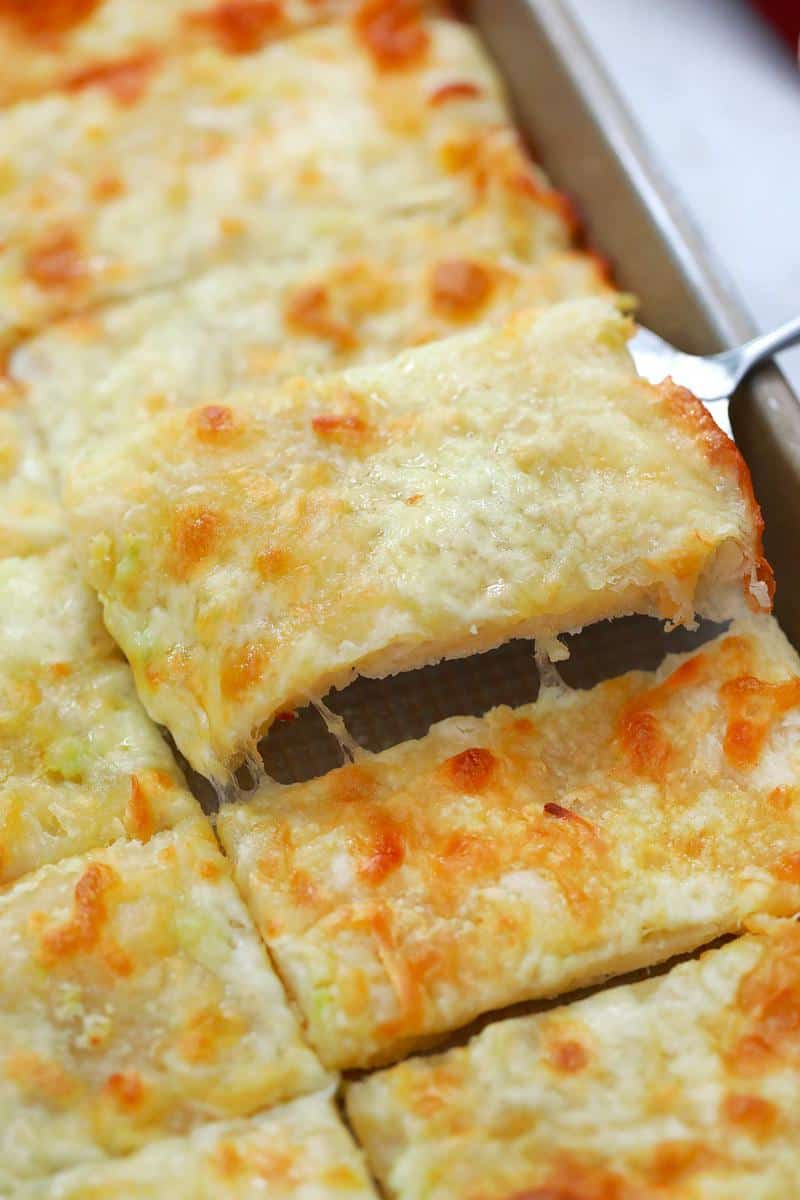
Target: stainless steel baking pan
<point x="573" y="119"/>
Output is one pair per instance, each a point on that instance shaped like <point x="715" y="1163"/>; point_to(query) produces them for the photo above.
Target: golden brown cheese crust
<point x="151" y="169"/>
<point x="93" y="376"/>
<point x="80" y="763"/>
<point x="136" y="1002"/>
<point x="51" y="44"/>
<point x="251" y="555"/>
<point x="683" y="1087"/>
<point x="533" y="851"/>
<point x="300" y="1151"/>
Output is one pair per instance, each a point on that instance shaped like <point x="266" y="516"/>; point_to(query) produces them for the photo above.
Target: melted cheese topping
<point x="136" y="1002"/>
<point x="517" y="481"/>
<point x="207" y="158"/>
<point x="685" y="1086"/>
<point x="31" y="520"/>
<point x="93" y="376"/>
<point x="301" y="1151"/>
<point x="530" y="852"/>
<point x="46" y="44"/>
<point x="80" y="762"/>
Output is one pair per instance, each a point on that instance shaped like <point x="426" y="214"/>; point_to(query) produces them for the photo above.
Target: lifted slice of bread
<point x="517" y="481"/>
<point x="685" y="1086"/>
<point x="533" y="851"/>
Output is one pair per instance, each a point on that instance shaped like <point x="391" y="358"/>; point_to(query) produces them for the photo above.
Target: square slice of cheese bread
<point x="136" y="1002"/>
<point x="48" y="44"/>
<point x="300" y="1151"/>
<point x="209" y="158"/>
<point x="31" y="518"/>
<point x="516" y="481"/>
<point x="81" y="764"/>
<point x="533" y="851"/>
<point x="98" y="374"/>
<point x="686" y="1086"/>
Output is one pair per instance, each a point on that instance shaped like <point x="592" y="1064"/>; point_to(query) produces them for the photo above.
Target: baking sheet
<point x="571" y="116"/>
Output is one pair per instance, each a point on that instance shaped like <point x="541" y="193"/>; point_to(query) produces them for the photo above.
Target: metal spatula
<point x="715" y="378"/>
